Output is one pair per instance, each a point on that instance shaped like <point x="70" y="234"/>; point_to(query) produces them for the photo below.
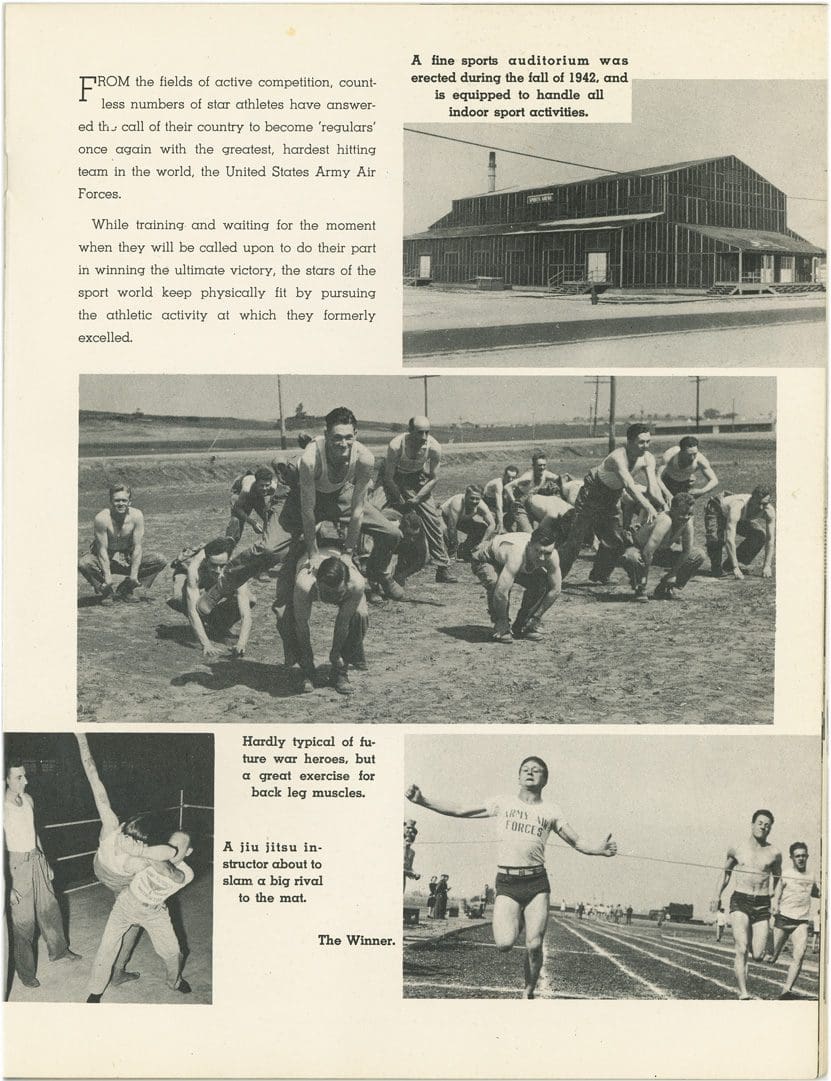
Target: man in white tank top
<point x="410" y="475"/>
<point x="32" y="900"/>
<point x="524" y="822"/>
<point x="791" y="908"/>
<point x="142" y="904"/>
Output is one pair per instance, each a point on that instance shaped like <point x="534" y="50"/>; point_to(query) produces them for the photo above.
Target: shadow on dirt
<point x="277" y="681"/>
<point x="468" y="632"/>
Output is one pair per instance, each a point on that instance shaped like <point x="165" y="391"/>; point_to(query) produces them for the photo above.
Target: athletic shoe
<point x="308" y="686"/>
<point x="340" y="681"/>
<point x="666" y="592"/>
<point x="182" y="986"/>
<point x="532" y="636"/>
<point x="640" y="594"/>
<point x="106" y="596"/>
<point x="443" y="575"/>
<point x="506" y="639"/>
<point x="390" y="588"/>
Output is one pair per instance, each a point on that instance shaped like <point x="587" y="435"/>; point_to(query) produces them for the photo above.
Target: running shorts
<point x="785" y="923"/>
<point x="522" y="889"/>
<point x="755" y="907"/>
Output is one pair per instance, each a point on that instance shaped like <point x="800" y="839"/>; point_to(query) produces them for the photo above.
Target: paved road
<point x="596" y="960"/>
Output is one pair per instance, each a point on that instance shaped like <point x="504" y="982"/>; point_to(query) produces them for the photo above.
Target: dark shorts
<point x="755" y="907"/>
<point x="522" y="889"/>
<point x="676" y="486"/>
<point x="785" y="923"/>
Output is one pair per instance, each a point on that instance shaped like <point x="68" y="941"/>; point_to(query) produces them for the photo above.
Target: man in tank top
<point x="791" y="908"/>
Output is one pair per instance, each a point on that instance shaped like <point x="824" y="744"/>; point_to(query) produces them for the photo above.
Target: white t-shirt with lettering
<point x="522" y="829"/>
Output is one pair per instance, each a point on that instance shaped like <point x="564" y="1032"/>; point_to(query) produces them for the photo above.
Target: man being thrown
<point x="791" y="908"/>
<point x="142" y="904"/>
<point x="122" y="852"/>
<point x="334" y="472"/>
<point x="198" y="593"/>
<point x="598" y="504"/>
<point x="332" y="579"/>
<point x="468" y="513"/>
<point x="117" y="550"/>
<point x="526" y="559"/>
<point x="652" y="542"/>
<point x="754" y="865"/>
<point x="753" y="518"/>
<point x="410" y="475"/>
<point x="32" y="900"/>
<point x="523" y="892"/>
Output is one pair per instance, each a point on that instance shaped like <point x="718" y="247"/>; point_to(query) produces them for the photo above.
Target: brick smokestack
<point x="492" y="171"/>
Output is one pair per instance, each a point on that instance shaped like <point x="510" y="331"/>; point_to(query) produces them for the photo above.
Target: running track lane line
<point x="671" y="964"/>
<point x="479" y="987"/>
<point x="807" y="973"/>
<point x="656" y="991"/>
<point x="760" y="973"/>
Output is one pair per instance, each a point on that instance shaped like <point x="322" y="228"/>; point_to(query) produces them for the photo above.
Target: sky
<point x="671" y="797"/>
<point x="480" y="400"/>
<point x="777" y="127"/>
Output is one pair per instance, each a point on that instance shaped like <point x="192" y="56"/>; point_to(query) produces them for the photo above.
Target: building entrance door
<point x="766" y="273"/>
<point x="424" y="266"/>
<point x="597" y="262"/>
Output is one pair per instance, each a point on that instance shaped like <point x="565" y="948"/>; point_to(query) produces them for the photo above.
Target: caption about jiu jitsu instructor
<point x="246" y="151"/>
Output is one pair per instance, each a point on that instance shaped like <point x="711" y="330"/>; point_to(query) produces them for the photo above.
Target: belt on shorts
<point x="522" y="872"/>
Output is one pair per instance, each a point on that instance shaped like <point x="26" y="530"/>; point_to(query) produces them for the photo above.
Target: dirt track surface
<point x="706" y="660"/>
<point x="595" y="959"/>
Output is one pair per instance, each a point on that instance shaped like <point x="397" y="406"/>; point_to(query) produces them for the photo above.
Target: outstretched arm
<point x="452" y="810"/>
<point x="730" y="863"/>
<point x="109" y="819"/>
<point x="605" y="848"/>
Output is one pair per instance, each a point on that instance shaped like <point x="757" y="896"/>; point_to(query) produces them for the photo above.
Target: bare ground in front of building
<point x="708" y="659"/>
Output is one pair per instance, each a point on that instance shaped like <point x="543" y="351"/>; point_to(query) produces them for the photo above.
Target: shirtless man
<point x="598" y="504"/>
<point x="253" y="501"/>
<point x="334" y="472"/>
<point x="753" y="518"/>
<point x="198" y="594"/>
<point x="523" y="892"/>
<point x="680" y="464"/>
<point x="754" y="866"/>
<point x="469" y="513"/>
<point x="118" y="550"/>
<point x="537" y="479"/>
<point x="32" y="901"/>
<point x="142" y="904"/>
<point x="791" y="908"/>
<point x="526" y="559"/>
<point x="494" y="497"/>
<point x="554" y="510"/>
<point x="333" y="579"/>
<point x="410" y="474"/>
<point x="652" y="542"/>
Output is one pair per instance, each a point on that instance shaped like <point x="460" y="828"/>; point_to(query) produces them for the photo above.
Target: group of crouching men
<point x="348" y="533"/>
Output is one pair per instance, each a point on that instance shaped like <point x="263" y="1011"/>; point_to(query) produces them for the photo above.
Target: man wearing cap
<point x="526" y="559"/>
<point x="469" y="513"/>
<point x="751" y="517"/>
<point x="410" y="475"/>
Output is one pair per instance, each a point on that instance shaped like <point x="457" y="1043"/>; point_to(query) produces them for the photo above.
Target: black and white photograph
<point x="384" y="549"/>
<point x="612" y="867"/>
<point x="109" y="863"/>
<point x="693" y="236"/>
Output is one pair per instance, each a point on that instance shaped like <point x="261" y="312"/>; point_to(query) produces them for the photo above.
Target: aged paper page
<point x="360" y="363"/>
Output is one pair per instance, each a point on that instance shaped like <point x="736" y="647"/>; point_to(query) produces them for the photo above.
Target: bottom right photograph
<point x="605" y="866"/>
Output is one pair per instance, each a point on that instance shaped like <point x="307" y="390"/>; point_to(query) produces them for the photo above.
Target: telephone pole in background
<point x="425" y="378"/>
<point x="612" y="403"/>
<point x="698" y="380"/>
<point x="283" y="441"/>
<point x="596" y="380"/>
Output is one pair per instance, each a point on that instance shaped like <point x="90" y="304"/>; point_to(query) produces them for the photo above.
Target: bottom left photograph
<point x="108" y="856"/>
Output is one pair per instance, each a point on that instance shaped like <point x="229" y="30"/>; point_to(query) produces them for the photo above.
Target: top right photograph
<point x="693" y="236"/>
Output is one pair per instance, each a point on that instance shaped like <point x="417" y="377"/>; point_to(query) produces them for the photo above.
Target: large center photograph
<point x="428" y="549"/>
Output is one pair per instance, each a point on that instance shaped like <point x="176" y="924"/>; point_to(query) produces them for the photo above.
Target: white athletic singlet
<point x="152" y="887"/>
<point x="315" y="455"/>
<point x="522" y="829"/>
<point x="796" y="894"/>
<point x="424" y="461"/>
<point x="19" y="825"/>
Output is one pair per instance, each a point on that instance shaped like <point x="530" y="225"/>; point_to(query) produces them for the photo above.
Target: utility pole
<point x="612" y="402"/>
<point x="596" y="380"/>
<point x="698" y="380"/>
<point x="425" y="378"/>
<point x="533" y="427"/>
<point x="733" y="415"/>
<point x="283" y="441"/>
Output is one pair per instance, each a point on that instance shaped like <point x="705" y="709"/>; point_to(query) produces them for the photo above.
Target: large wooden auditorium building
<point x="697" y="224"/>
